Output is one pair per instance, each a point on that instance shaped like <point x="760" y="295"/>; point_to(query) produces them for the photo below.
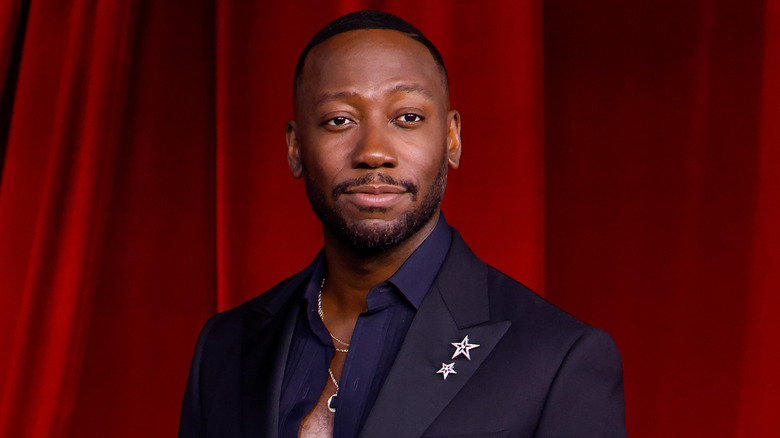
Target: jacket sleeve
<point x="586" y="396"/>
<point x="191" y="421"/>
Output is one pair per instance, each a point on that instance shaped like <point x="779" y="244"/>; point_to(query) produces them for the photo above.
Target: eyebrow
<point x="405" y="88"/>
<point x="413" y="89"/>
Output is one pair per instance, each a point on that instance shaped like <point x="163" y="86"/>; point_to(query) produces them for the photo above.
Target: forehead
<point x="366" y="60"/>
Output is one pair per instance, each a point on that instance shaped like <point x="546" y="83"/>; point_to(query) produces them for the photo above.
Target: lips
<point x="375" y="195"/>
<point x="376" y="189"/>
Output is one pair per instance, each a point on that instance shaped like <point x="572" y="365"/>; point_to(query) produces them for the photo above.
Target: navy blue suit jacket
<point x="538" y="371"/>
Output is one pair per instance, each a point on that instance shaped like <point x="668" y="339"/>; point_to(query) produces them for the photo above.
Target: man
<point x="396" y="329"/>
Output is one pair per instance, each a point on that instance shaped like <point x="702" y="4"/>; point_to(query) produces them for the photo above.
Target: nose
<point x="374" y="148"/>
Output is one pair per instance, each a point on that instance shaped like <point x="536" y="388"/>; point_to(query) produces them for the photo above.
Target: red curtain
<point x="662" y="202"/>
<point x="144" y="188"/>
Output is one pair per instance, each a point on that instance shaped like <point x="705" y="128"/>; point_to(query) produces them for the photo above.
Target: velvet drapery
<point x="619" y="157"/>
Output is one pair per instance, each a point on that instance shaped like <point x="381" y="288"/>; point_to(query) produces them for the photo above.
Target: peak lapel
<point x="266" y="343"/>
<point x="262" y="369"/>
<point x="414" y="393"/>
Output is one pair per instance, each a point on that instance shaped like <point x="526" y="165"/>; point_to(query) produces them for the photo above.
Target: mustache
<point x="369" y="178"/>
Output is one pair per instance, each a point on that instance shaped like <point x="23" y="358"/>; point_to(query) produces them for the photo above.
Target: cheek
<point x="426" y="153"/>
<point x="324" y="164"/>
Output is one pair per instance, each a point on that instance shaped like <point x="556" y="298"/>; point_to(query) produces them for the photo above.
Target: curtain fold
<point x="157" y="276"/>
<point x="10" y="22"/>
<point x="13" y="20"/>
<point x="54" y="273"/>
<point x="760" y="382"/>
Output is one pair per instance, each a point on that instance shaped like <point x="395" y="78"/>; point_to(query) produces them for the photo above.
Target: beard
<point x="372" y="239"/>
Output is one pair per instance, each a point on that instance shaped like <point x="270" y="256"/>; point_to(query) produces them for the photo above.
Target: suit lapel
<point x="267" y="337"/>
<point x="262" y="375"/>
<point x="414" y="394"/>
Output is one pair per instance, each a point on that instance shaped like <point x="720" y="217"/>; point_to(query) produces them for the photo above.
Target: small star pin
<point x="447" y="369"/>
<point x="463" y="348"/>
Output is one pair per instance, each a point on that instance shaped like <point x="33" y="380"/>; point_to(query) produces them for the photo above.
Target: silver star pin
<point x="447" y="369"/>
<point x="463" y="348"/>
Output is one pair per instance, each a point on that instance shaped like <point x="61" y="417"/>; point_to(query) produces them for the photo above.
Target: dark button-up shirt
<point x="375" y="341"/>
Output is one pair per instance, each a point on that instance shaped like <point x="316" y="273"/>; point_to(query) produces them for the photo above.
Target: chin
<point x="375" y="235"/>
<point x="369" y="236"/>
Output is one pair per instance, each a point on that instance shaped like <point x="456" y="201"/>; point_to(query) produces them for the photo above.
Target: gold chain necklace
<point x="332" y="398"/>
<point x="322" y="318"/>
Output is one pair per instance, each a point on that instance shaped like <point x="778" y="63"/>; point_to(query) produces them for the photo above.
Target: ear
<point x="293" y="150"/>
<point x="453" y="139"/>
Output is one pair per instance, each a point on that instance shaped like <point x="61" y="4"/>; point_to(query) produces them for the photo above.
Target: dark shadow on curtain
<point x="9" y="86"/>
<point x="653" y="121"/>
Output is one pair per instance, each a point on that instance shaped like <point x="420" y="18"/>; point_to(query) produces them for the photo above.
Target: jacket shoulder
<point x="538" y="324"/>
<point x="512" y="300"/>
<point x="224" y="330"/>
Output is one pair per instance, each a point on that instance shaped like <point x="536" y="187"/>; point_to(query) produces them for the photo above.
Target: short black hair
<point x="368" y="20"/>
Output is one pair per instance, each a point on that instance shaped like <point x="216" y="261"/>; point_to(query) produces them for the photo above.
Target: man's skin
<point x="369" y="102"/>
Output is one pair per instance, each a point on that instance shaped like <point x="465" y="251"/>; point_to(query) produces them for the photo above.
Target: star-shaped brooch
<point x="463" y="348"/>
<point x="447" y="369"/>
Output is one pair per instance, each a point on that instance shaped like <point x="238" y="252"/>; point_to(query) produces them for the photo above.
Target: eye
<point x="409" y="119"/>
<point x="338" y="122"/>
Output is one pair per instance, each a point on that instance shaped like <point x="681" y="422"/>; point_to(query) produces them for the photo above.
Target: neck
<point x="351" y="275"/>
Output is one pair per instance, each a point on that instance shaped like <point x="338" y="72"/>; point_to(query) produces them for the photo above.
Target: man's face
<point x="373" y="137"/>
